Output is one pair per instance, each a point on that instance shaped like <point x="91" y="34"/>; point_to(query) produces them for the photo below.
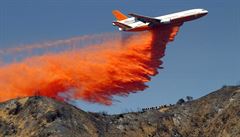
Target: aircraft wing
<point x="145" y="19"/>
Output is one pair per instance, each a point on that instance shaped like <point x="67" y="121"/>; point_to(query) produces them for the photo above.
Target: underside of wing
<point x="145" y="19"/>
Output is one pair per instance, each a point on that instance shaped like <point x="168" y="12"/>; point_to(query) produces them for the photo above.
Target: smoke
<point x="113" y="65"/>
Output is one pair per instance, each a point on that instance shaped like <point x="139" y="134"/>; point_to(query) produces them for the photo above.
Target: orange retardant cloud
<point x="95" y="73"/>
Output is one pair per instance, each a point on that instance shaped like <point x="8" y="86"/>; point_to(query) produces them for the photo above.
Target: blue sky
<point x="203" y="57"/>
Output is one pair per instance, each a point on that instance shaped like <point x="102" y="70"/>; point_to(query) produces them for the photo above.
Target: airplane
<point x="142" y="23"/>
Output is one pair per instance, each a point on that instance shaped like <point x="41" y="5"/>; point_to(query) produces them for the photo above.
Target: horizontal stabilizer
<point x="121" y="25"/>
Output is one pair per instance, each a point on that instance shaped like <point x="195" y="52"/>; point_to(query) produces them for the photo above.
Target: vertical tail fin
<point x="118" y="15"/>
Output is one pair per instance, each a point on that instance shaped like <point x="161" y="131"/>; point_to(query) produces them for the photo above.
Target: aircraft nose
<point x="204" y="12"/>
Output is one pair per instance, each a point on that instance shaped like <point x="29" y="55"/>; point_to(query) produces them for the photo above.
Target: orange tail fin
<point x="118" y="15"/>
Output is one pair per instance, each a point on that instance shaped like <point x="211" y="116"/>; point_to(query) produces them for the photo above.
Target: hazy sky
<point x="204" y="56"/>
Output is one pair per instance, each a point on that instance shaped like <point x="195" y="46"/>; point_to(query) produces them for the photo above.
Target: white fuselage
<point x="178" y="17"/>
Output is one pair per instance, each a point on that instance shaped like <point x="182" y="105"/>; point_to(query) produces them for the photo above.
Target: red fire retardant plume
<point x="95" y="73"/>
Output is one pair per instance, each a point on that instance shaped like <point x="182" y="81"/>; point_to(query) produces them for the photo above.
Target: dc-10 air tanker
<point x="141" y="23"/>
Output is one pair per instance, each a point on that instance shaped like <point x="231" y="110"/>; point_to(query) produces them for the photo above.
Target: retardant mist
<point x="96" y="73"/>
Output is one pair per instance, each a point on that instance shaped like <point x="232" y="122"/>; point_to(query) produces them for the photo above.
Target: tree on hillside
<point x="180" y="101"/>
<point x="189" y="98"/>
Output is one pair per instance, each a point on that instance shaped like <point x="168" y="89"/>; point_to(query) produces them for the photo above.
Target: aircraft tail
<point x="118" y="15"/>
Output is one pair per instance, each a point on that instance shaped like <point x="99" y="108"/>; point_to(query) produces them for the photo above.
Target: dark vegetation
<point x="214" y="115"/>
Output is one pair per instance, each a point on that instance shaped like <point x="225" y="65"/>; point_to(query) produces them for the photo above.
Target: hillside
<point x="214" y="115"/>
